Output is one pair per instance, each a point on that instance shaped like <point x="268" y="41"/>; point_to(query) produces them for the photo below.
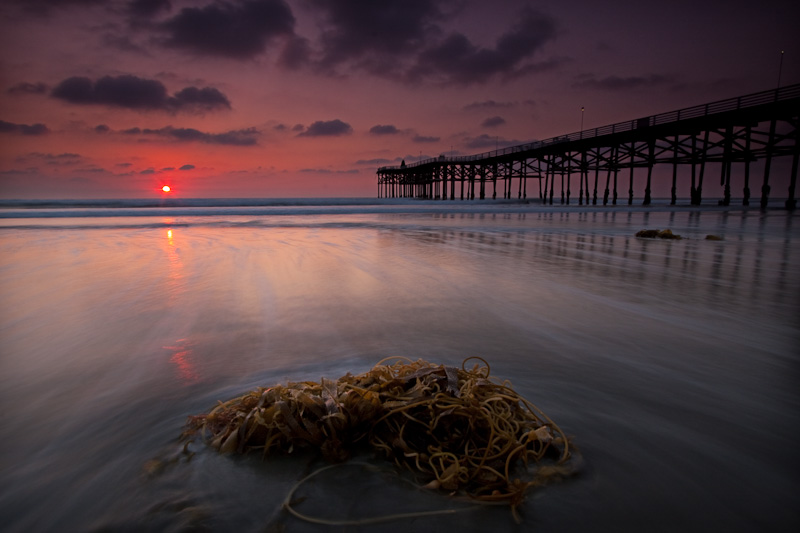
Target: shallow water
<point x="673" y="363"/>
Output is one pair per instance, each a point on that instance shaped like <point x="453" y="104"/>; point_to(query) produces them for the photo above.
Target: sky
<point x="307" y="98"/>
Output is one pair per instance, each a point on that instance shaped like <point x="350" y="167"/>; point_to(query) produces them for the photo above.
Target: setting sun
<point x="166" y="188"/>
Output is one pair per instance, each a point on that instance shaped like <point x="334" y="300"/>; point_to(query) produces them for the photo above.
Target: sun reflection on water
<point x="175" y="265"/>
<point x="181" y="351"/>
<point x="181" y="357"/>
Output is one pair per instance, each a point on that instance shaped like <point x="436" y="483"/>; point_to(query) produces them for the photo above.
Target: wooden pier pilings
<point x="742" y="130"/>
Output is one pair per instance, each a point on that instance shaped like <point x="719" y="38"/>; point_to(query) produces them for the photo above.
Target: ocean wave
<point x="172" y="203"/>
<point x="216" y="207"/>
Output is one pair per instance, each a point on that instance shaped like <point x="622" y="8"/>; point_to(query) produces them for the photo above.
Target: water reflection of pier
<point x="751" y="267"/>
<point x="747" y="129"/>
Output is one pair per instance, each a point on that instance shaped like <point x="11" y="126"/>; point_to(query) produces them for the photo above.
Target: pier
<point x="610" y="163"/>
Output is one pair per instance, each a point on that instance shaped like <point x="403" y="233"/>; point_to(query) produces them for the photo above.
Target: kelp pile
<point x="667" y="234"/>
<point x="657" y="234"/>
<point x="456" y="429"/>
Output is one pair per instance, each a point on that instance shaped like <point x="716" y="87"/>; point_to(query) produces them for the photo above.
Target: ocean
<point x="674" y="364"/>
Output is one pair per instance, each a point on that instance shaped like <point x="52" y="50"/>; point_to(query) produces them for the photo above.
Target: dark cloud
<point x="131" y="92"/>
<point x="390" y="129"/>
<point x="297" y="128"/>
<point x="384" y="130"/>
<point x="24" y="129"/>
<point x="123" y="91"/>
<point x="28" y="88"/>
<point x="617" y="83"/>
<point x="375" y="32"/>
<point x="296" y="53"/>
<point x="400" y="39"/>
<point x="458" y="60"/>
<point x="102" y="128"/>
<point x="95" y="170"/>
<point x="44" y="7"/>
<point x="148" y="8"/>
<point x="186" y="167"/>
<point x="547" y="65"/>
<point x="205" y="98"/>
<point x="123" y="43"/>
<point x="66" y="158"/>
<point x="327" y="171"/>
<point x="493" y="122"/>
<point x="239" y="30"/>
<point x="243" y="137"/>
<point x="167" y="169"/>
<point x="395" y="39"/>
<point x="322" y="128"/>
<point x="372" y="162"/>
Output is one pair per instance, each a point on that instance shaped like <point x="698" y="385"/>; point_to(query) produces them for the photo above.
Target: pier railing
<point x="753" y="100"/>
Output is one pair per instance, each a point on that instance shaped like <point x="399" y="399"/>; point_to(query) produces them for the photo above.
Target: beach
<point x="673" y="363"/>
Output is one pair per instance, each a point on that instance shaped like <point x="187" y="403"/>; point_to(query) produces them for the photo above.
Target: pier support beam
<point x="767" y="163"/>
<point x="698" y="193"/>
<point x="725" y="175"/>
<point x="632" y="156"/>
<point x="747" y="157"/>
<point x="582" y="172"/>
<point x="651" y="146"/>
<point x="693" y="191"/>
<point x="674" y="192"/>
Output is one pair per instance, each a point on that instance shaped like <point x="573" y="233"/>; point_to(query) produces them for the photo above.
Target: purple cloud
<point x="493" y="122"/>
<point x="243" y="137"/>
<point x="425" y="139"/>
<point x="323" y="128"/>
<point x="28" y="88"/>
<point x="132" y="92"/>
<point x="24" y="129"/>
<point x="384" y="130"/>
<point x="458" y="60"/>
<point x="239" y="30"/>
<point x="375" y="33"/>
<point x="148" y="8"/>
